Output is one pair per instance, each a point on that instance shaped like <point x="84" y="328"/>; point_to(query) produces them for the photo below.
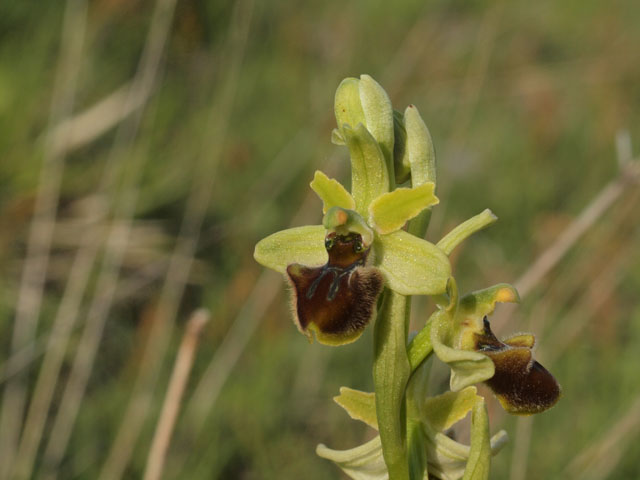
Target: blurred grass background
<point x="146" y="147"/>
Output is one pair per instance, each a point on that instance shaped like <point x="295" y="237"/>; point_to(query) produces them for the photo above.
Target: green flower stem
<point x="391" y="371"/>
<point x="421" y="347"/>
<point x="452" y="239"/>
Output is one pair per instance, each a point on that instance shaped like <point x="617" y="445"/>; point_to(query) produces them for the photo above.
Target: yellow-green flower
<point x="338" y="269"/>
<point x="462" y="337"/>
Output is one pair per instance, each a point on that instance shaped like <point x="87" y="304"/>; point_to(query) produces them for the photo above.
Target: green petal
<point x="361" y="463"/>
<point x="452" y="239"/>
<point x="411" y="266"/>
<point x="419" y="148"/>
<point x="467" y="367"/>
<point x="378" y="114"/>
<point x="347" y="106"/>
<point x="331" y="192"/>
<point x="369" y="175"/>
<point x="479" y="463"/>
<point x="303" y="245"/>
<point x="359" y="405"/>
<point x="444" y="410"/>
<point x="483" y="302"/>
<point x="389" y="212"/>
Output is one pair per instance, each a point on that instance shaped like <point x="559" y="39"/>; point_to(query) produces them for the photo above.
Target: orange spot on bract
<point x="505" y="295"/>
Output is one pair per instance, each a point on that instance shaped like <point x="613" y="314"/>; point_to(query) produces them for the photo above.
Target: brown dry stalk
<point x="175" y="391"/>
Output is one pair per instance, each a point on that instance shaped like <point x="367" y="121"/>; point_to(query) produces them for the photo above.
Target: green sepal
<point x="389" y="212"/>
<point x="360" y="463"/>
<point x="479" y="463"/>
<point x="419" y="148"/>
<point x="410" y="265"/>
<point x="303" y="245"/>
<point x="343" y="222"/>
<point x="369" y="174"/>
<point x="401" y="164"/>
<point x="378" y="114"/>
<point x="359" y="405"/>
<point x="331" y="192"/>
<point x="347" y="104"/>
<point x="442" y="411"/>
<point x="467" y="367"/>
<point x="448" y="459"/>
<point x="456" y="236"/>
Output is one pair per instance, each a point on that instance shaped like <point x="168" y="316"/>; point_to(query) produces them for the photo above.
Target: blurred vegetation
<point x="524" y="101"/>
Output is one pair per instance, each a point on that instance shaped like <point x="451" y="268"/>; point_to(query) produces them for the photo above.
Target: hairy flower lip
<point x="338" y="299"/>
<point x="521" y="384"/>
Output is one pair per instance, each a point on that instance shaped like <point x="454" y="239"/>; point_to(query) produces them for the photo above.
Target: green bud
<point x="401" y="163"/>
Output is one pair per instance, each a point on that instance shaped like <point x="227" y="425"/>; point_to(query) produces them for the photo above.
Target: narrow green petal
<point x="479" y="463"/>
<point x="452" y="239"/>
<point x="378" y="114"/>
<point x="444" y="410"/>
<point x="331" y="192"/>
<point x="467" y="367"/>
<point x="369" y="175"/>
<point x="483" y="302"/>
<point x="419" y="147"/>
<point x="359" y="405"/>
<point x="389" y="212"/>
<point x="347" y="106"/>
<point x="361" y="463"/>
<point x="411" y="266"/>
<point x="303" y="245"/>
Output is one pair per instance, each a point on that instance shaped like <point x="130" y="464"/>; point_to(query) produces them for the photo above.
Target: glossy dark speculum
<point x="338" y="299"/>
<point x="523" y="386"/>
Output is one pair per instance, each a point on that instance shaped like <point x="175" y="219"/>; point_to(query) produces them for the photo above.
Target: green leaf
<point x="331" y="192"/>
<point x="467" y="367"/>
<point x="479" y="463"/>
<point x="442" y="411"/>
<point x="359" y="405"/>
<point x="361" y="463"/>
<point x="347" y="104"/>
<point x="303" y="245"/>
<point x="378" y="114"/>
<point x="369" y="175"/>
<point x="391" y="373"/>
<point x="411" y="266"/>
<point x="456" y="236"/>
<point x="389" y="212"/>
<point x="419" y="147"/>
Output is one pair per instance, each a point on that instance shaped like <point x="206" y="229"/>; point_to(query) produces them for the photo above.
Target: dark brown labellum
<point x="338" y="299"/>
<point x="522" y="385"/>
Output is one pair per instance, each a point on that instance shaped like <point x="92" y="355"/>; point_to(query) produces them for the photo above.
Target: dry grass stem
<point x="116" y="242"/>
<point x="87" y="126"/>
<point x="182" y="257"/>
<point x="175" y="391"/>
<point x="599" y="459"/>
<point x="42" y="225"/>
